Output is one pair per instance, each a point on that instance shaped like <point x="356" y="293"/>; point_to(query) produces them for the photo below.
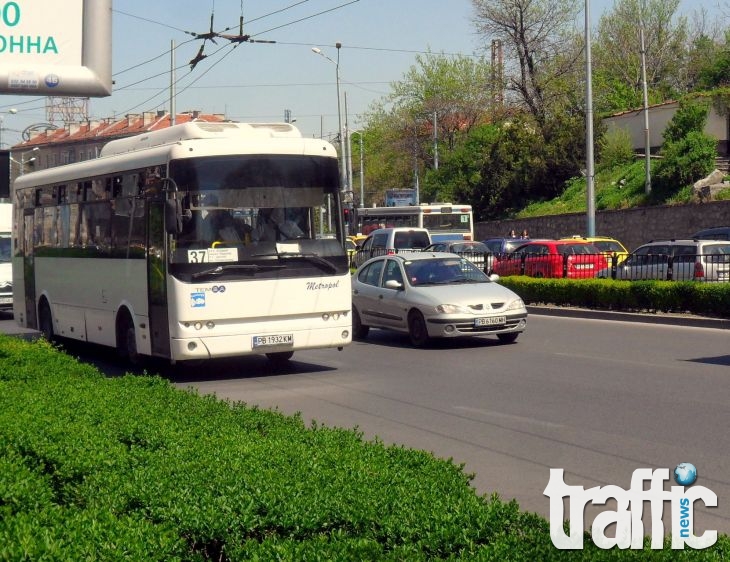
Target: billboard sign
<point x="54" y="48"/>
<point x="400" y="197"/>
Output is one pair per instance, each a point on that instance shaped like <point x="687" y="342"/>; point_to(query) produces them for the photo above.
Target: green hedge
<point x="130" y="468"/>
<point x="711" y="299"/>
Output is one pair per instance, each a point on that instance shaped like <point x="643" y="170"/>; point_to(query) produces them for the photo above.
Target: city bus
<point x="444" y="221"/>
<point x="115" y="250"/>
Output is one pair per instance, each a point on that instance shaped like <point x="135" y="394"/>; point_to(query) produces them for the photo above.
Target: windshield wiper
<point x="314" y="258"/>
<point x="248" y="268"/>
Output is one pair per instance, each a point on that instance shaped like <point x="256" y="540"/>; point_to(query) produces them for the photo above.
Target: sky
<point x="380" y="40"/>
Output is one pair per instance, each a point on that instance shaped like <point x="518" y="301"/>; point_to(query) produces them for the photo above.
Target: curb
<point x="688" y="320"/>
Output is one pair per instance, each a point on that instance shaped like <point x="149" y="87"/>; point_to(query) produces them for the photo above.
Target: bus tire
<point x="127" y="339"/>
<point x="45" y="320"/>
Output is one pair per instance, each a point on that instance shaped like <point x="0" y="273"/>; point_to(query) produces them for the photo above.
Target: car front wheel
<point x="417" y="329"/>
<point x="359" y="331"/>
<point x="508" y="338"/>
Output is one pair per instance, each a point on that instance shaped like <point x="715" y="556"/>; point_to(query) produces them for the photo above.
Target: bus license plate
<point x="6" y="300"/>
<point x="490" y="321"/>
<point x="277" y="339"/>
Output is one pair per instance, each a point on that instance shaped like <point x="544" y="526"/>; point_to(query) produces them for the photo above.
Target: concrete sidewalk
<point x="645" y="317"/>
<point x="9" y="327"/>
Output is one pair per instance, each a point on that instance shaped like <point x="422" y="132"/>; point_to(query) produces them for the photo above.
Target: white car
<point x="433" y="295"/>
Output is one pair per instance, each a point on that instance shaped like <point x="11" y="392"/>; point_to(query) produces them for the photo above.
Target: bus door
<point x="157" y="279"/>
<point x="31" y="316"/>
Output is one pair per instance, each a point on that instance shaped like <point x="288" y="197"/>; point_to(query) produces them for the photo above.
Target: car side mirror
<point x="393" y="284"/>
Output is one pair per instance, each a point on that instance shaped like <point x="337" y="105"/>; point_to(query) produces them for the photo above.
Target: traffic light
<point x="346" y="215"/>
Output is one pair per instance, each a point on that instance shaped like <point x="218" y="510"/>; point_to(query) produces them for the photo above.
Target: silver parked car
<point x="475" y="252"/>
<point x="676" y="260"/>
<point x="433" y="295"/>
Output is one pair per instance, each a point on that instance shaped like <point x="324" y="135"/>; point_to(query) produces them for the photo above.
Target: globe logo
<point x="685" y="474"/>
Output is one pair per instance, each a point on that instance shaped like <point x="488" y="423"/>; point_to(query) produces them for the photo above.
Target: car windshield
<point x="443" y="271"/>
<point x="476" y="247"/>
<point x="608" y="246"/>
<point x="576" y="249"/>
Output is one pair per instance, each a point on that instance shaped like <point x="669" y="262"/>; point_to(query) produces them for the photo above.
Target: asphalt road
<point x="597" y="398"/>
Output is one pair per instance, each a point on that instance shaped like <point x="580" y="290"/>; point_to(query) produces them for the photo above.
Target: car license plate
<point x="277" y="339"/>
<point x="490" y="321"/>
<point x="584" y="266"/>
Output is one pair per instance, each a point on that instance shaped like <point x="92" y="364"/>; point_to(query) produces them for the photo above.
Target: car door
<point x="683" y="262"/>
<point x="366" y="292"/>
<point x="391" y="304"/>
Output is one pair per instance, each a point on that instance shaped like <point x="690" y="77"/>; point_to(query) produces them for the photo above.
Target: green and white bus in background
<point x="158" y="247"/>
<point x="444" y="221"/>
<point x="6" y="269"/>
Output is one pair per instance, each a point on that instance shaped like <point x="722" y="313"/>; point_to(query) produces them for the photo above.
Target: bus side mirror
<point x="173" y="216"/>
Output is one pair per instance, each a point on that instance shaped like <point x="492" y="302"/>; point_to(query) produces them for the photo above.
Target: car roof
<point x="416" y="256"/>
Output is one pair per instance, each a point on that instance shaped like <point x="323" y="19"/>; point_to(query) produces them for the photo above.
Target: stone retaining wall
<point x="633" y="227"/>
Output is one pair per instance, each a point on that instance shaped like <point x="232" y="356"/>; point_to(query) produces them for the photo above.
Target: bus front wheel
<point x="280" y="358"/>
<point x="127" y="339"/>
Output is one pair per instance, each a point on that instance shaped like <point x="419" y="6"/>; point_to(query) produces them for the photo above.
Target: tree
<point x="453" y="90"/>
<point x="617" y="57"/>
<point x="541" y="48"/>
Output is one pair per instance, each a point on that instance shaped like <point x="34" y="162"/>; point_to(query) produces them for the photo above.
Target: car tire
<point x="417" y="330"/>
<point x="508" y="338"/>
<point x="359" y="330"/>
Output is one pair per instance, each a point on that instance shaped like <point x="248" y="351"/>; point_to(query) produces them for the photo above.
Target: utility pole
<point x="647" y="139"/>
<point x="590" y="187"/>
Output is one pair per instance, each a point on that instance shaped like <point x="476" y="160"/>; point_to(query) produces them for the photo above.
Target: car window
<point x="494" y="245"/>
<point x="685" y="254"/>
<point x="410" y="239"/>
<point x="370" y="275"/>
<point x="380" y="240"/>
<point x="716" y="249"/>
<point x="367" y="244"/>
<point x="608" y="246"/>
<point x="392" y="272"/>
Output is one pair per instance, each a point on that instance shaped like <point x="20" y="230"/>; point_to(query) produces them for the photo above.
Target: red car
<point x="572" y="259"/>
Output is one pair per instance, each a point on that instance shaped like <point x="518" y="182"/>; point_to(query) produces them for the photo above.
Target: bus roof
<point x="208" y="139"/>
<point x="200" y="130"/>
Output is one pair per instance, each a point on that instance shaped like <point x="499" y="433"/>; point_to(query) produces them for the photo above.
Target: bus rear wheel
<point x="45" y="320"/>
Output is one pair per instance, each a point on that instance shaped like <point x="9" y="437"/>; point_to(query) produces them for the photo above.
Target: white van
<point x="393" y="240"/>
<point x="6" y="266"/>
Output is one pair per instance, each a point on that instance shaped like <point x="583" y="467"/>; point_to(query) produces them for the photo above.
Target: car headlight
<point x="452" y="309"/>
<point x="515" y="304"/>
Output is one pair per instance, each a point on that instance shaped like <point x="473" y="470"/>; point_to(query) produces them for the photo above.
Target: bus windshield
<point x="246" y="209"/>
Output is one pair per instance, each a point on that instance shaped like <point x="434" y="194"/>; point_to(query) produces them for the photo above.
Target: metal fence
<point x="698" y="267"/>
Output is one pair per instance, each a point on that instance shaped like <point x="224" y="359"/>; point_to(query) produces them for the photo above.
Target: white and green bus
<point x="158" y="247"/>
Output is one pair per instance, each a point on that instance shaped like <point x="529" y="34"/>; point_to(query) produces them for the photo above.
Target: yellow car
<point x="609" y="246"/>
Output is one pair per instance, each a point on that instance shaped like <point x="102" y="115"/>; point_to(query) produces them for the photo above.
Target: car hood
<point x="466" y="294"/>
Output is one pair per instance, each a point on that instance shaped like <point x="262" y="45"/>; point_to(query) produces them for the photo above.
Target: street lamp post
<point x="343" y="166"/>
<point x="362" y="167"/>
<point x="23" y="161"/>
<point x="11" y="111"/>
<point x="317" y="50"/>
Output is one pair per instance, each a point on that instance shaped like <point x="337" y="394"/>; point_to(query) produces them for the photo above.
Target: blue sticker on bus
<point x="197" y="300"/>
